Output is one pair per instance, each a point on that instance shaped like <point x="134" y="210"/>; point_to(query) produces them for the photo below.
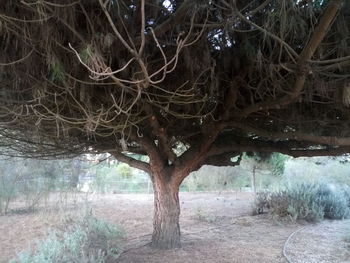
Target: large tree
<point x="185" y="82"/>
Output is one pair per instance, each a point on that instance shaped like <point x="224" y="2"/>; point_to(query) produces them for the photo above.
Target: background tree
<point x="255" y="162"/>
<point x="184" y="82"/>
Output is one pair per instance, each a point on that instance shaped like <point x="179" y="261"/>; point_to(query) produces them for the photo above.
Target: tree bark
<point x="166" y="227"/>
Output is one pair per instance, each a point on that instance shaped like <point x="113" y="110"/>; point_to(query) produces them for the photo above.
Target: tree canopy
<point x="232" y="76"/>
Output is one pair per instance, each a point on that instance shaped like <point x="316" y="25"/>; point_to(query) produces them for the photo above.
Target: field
<point x="216" y="227"/>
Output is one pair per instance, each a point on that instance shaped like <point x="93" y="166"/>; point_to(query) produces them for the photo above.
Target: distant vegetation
<point x="26" y="184"/>
<point x="32" y="181"/>
<point x="255" y="171"/>
<point x="270" y="173"/>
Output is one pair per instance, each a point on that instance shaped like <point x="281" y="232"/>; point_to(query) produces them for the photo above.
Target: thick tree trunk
<point x="166" y="227"/>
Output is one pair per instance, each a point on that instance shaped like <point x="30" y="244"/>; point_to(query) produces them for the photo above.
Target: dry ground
<point x="216" y="227"/>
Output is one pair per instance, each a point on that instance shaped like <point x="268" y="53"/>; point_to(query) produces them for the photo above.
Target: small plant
<point x="86" y="240"/>
<point x="205" y="217"/>
<point x="261" y="202"/>
<point x="312" y="202"/>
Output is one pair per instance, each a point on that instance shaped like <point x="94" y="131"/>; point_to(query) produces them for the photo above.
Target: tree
<point x="184" y="82"/>
<point x="124" y="170"/>
<point x="274" y="162"/>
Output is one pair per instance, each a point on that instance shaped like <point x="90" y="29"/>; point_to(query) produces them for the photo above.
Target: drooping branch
<point x="224" y="159"/>
<point x="297" y="136"/>
<point x="131" y="161"/>
<point x="302" y="62"/>
<point x="228" y="146"/>
<point x="203" y="70"/>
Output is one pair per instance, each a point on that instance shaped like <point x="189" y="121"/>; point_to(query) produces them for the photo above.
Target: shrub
<point x="346" y="192"/>
<point x="312" y="202"/>
<point x="86" y="240"/>
<point x="201" y="215"/>
<point x="124" y="170"/>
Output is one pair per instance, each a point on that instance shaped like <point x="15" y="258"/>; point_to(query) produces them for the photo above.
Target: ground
<point x="216" y="227"/>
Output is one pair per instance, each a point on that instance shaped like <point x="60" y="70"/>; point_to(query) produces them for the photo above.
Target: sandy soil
<point x="216" y="227"/>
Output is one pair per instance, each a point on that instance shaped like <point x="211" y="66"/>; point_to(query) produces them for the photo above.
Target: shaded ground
<point x="216" y="227"/>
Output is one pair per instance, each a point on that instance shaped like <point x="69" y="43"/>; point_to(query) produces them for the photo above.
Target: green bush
<point x="124" y="170"/>
<point x="86" y="240"/>
<point x="312" y="202"/>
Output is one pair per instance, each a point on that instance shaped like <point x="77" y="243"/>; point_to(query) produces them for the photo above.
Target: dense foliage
<point x="220" y="77"/>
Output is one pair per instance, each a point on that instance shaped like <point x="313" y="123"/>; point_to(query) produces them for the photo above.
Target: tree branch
<point x="223" y="159"/>
<point x="249" y="145"/>
<point x="173" y="20"/>
<point x="297" y="136"/>
<point x="192" y="158"/>
<point x="131" y="161"/>
<point x="161" y="134"/>
<point x="302" y="63"/>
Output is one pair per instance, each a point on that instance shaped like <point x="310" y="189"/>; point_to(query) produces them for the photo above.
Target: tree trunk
<point x="166" y="227"/>
<point x="254" y="179"/>
<point x="74" y="180"/>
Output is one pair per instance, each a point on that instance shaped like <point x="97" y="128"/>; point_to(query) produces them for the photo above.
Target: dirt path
<point x="215" y="228"/>
<point x="321" y="243"/>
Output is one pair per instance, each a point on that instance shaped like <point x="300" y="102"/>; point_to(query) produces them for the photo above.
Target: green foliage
<point x="277" y="162"/>
<point x="274" y="162"/>
<point x="58" y="74"/>
<point x="86" y="54"/>
<point x="309" y="201"/>
<point x="102" y="178"/>
<point x="124" y="170"/>
<point x="85" y="240"/>
<point x="118" y="178"/>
